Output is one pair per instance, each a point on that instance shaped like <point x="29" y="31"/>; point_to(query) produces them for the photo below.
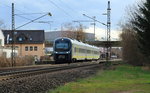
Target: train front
<point x="62" y="50"/>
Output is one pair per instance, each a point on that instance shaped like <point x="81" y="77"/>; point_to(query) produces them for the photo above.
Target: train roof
<point x="77" y="42"/>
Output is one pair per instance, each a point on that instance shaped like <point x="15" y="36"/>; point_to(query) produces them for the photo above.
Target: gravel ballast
<point x="44" y="82"/>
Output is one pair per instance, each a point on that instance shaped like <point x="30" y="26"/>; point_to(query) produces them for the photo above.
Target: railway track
<point x="37" y="71"/>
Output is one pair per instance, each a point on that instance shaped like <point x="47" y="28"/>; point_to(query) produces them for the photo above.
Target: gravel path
<point x="42" y="83"/>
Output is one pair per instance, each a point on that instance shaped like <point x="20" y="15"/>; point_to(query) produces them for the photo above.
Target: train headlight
<point x="67" y="52"/>
<point x="56" y="52"/>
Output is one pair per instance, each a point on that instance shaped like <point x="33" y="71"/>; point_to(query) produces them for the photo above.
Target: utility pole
<point x="94" y="26"/>
<point x="108" y="46"/>
<point x="12" y="33"/>
<point x="108" y="30"/>
<point x="108" y="22"/>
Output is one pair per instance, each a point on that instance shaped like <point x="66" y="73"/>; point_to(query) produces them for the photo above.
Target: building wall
<point x="6" y="52"/>
<point x="23" y="52"/>
<point x="38" y="53"/>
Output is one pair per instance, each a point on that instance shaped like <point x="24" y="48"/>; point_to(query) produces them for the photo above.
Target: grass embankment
<point x="124" y="79"/>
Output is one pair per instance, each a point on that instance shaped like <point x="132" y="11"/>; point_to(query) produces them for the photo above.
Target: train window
<point x="75" y="49"/>
<point x="84" y="50"/>
<point x="88" y="51"/>
<point x="95" y="52"/>
<point x="80" y="50"/>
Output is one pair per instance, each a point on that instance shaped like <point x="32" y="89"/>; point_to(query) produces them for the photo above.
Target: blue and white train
<point x="69" y="50"/>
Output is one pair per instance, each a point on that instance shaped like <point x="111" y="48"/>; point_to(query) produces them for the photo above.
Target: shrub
<point x="19" y="61"/>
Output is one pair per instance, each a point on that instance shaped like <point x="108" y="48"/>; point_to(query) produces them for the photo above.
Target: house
<point x="1" y="39"/>
<point x="1" y="42"/>
<point x="5" y="51"/>
<point x="28" y="42"/>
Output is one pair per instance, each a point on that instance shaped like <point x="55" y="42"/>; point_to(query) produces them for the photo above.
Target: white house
<point x="1" y="39"/>
<point x="3" y="50"/>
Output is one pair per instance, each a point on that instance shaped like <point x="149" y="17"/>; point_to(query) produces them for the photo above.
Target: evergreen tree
<point x="141" y="24"/>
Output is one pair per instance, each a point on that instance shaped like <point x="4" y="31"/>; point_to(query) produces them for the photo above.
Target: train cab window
<point x="62" y="46"/>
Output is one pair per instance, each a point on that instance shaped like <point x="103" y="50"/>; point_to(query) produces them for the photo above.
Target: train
<point x="69" y="50"/>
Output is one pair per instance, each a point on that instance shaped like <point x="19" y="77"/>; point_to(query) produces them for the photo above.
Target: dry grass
<point x="5" y="62"/>
<point x="19" y="61"/>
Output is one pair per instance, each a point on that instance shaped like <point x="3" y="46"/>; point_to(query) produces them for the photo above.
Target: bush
<point x="131" y="53"/>
<point x="5" y="62"/>
<point x="19" y="61"/>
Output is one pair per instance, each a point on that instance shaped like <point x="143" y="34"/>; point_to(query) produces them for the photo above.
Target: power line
<point x="60" y="8"/>
<point x="33" y="20"/>
<point x="23" y="13"/>
<point x="11" y="7"/>
<point x="23" y="17"/>
<point x="31" y="13"/>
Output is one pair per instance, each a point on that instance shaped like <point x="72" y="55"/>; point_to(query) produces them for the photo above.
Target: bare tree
<point x="131" y="53"/>
<point x="73" y="32"/>
<point x="80" y="34"/>
<point x="2" y="25"/>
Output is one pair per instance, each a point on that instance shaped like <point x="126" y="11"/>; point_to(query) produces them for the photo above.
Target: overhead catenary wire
<point x="32" y="13"/>
<point x="11" y="7"/>
<point x="17" y="10"/>
<point x="68" y="6"/>
<point x="23" y="13"/>
<point x="23" y="17"/>
<point x="33" y="20"/>
<point x="60" y="8"/>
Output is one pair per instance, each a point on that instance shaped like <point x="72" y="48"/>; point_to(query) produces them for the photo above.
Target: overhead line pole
<point x="108" y="46"/>
<point x="12" y="33"/>
<point x="108" y="29"/>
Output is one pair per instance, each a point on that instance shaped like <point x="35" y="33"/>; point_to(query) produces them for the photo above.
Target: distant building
<point x="51" y="36"/>
<point x="28" y="42"/>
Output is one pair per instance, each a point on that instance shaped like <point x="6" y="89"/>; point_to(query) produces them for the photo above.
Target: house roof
<point x="24" y="36"/>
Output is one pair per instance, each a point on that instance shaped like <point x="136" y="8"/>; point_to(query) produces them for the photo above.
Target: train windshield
<point x="62" y="46"/>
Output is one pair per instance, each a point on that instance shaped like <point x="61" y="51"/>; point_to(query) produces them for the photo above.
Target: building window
<point x="20" y="39"/>
<point x="10" y="39"/>
<point x="35" y="48"/>
<point x="26" y="48"/>
<point x="30" y="39"/>
<point x="31" y="48"/>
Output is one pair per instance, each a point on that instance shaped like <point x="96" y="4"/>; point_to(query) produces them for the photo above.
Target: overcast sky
<point x="63" y="11"/>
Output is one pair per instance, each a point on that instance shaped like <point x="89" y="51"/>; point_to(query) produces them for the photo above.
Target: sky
<point x="63" y="12"/>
